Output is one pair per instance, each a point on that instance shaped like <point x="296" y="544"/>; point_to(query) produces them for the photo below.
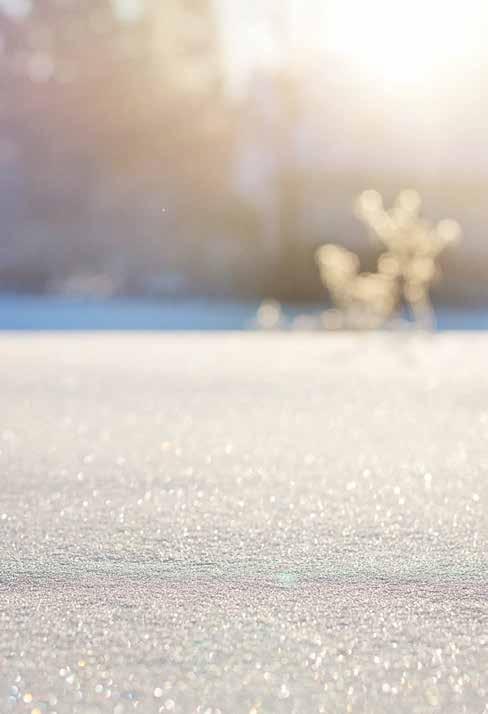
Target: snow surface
<point x="243" y="523"/>
<point x="58" y="313"/>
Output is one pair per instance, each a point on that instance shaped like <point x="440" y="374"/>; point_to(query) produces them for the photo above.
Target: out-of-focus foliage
<point x="107" y="140"/>
<point x="127" y="165"/>
<point x="406" y="269"/>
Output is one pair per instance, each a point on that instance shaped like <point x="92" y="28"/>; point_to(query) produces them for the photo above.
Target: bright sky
<point x="399" y="41"/>
<point x="409" y="41"/>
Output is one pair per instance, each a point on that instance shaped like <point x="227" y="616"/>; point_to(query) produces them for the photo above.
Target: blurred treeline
<point x="126" y="167"/>
<point x="112" y="173"/>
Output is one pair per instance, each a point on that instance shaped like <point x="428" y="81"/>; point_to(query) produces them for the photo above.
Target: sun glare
<point x="395" y="42"/>
<point x="406" y="41"/>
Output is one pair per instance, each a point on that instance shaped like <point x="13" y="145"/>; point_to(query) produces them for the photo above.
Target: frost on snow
<point x="243" y="524"/>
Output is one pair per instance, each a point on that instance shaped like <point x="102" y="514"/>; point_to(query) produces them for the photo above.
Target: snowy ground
<point x="244" y="523"/>
<point x="47" y="313"/>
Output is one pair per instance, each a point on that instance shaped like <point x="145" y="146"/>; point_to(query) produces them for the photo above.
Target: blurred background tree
<point x="209" y="147"/>
<point x="116" y="128"/>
